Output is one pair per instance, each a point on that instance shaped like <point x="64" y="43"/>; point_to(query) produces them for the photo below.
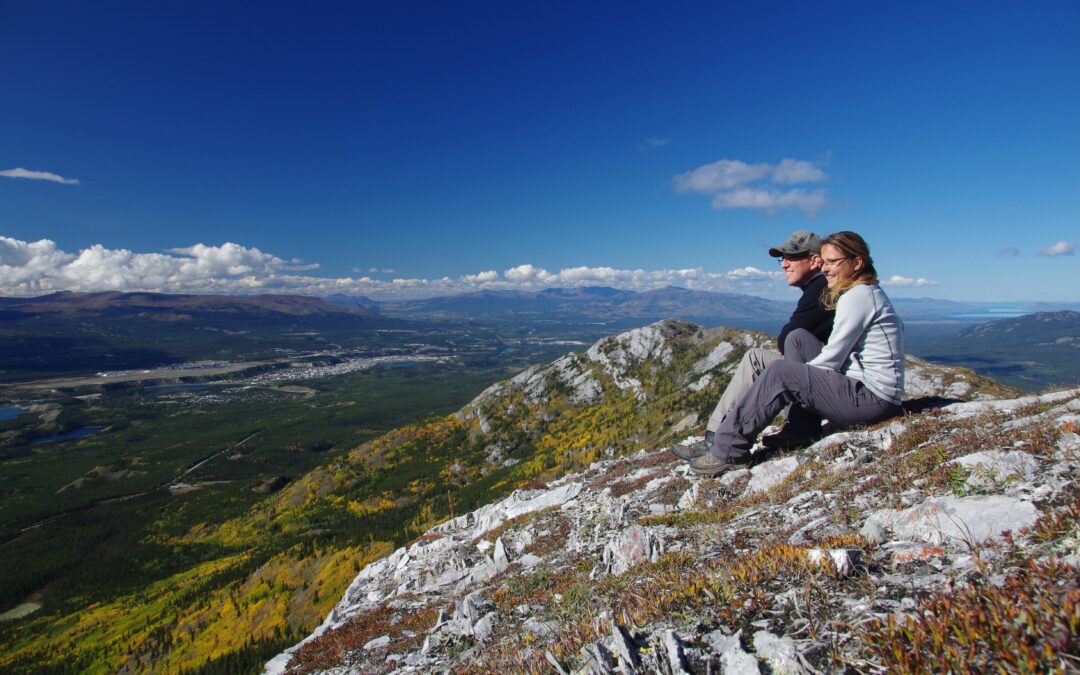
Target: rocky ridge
<point x="817" y="560"/>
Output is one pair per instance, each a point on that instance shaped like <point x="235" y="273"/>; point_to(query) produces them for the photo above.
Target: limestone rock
<point x="635" y="545"/>
<point x="673" y="651"/>
<point x="769" y="474"/>
<point x="778" y="652"/>
<point x="624" y="649"/>
<point x="377" y="643"/>
<point x="991" y="467"/>
<point x="959" y="520"/>
<point x="499" y="556"/>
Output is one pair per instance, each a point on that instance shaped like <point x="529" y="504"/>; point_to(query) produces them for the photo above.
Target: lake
<point x="68" y="436"/>
<point x="10" y="411"/>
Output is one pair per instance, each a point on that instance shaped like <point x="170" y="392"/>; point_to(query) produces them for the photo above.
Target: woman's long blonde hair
<point x="852" y="246"/>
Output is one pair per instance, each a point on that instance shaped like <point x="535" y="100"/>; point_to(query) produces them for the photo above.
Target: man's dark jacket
<point x="809" y="313"/>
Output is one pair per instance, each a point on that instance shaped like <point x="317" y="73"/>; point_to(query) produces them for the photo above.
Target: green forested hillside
<point x="1033" y="351"/>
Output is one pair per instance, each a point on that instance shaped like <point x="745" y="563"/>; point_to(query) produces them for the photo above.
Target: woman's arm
<point x="854" y="312"/>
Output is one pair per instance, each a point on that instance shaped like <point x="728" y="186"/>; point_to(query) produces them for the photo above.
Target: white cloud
<point x="771" y="200"/>
<point x="722" y="175"/>
<point x="527" y="274"/>
<point x="908" y="282"/>
<point x="599" y="275"/>
<point x="1060" y="248"/>
<point x="19" y="172"/>
<point x="481" y="278"/>
<point x="36" y="268"/>
<point x="734" y="184"/>
<point x="754" y="273"/>
<point x="791" y="171"/>
<point x="29" y="266"/>
<point x="652" y="143"/>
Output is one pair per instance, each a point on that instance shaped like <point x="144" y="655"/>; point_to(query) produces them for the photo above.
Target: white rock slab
<point x="484" y="627"/>
<point x="499" y="557"/>
<point x="698" y="385"/>
<point x="737" y="662"/>
<point x="673" y="650"/>
<point x="958" y="520"/>
<point x="973" y="408"/>
<point x="882" y="438"/>
<point x="992" y="467"/>
<point x="767" y="475"/>
<point x="778" y="652"/>
<point x="377" y="643"/>
<point x="1068" y="446"/>
<point x="478" y="522"/>
<point x="633" y="546"/>
<point x="721" y="643"/>
<point x="732" y="477"/>
<point x="717" y="356"/>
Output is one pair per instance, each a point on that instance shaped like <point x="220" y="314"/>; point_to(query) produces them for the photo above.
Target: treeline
<point x="251" y="657"/>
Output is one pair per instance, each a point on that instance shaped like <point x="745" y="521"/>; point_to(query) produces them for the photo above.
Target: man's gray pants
<point x="788" y="381"/>
<point x="753" y="364"/>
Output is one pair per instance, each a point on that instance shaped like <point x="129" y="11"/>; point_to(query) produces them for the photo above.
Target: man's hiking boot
<point x="689" y="453"/>
<point x="707" y="465"/>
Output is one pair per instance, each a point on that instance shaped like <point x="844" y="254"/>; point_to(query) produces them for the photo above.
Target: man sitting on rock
<point x="800" y="258"/>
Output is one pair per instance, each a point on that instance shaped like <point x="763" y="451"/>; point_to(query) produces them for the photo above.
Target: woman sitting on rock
<point x="857" y="377"/>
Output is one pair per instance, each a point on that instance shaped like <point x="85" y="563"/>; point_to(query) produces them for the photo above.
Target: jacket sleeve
<point x="854" y="312"/>
<point x="808" y="314"/>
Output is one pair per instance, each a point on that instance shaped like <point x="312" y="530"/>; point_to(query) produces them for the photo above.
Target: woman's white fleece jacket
<point x="867" y="342"/>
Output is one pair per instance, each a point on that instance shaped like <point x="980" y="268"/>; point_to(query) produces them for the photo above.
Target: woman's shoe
<point x="707" y="465"/>
<point x="689" y="453"/>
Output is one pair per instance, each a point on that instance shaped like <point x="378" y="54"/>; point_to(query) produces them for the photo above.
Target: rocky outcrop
<point x="801" y="563"/>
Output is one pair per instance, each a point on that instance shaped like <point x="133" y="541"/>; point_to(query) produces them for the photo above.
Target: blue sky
<point x="418" y="148"/>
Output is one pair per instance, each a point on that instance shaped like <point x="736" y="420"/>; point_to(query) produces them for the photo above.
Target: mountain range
<point x="600" y="303"/>
<point x="176" y="307"/>
<point x="594" y="304"/>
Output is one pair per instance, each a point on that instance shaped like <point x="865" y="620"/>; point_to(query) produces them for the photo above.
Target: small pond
<point x="69" y="436"/>
<point x="8" y="412"/>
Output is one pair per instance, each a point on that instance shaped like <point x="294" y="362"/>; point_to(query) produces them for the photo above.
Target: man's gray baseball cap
<point x="800" y="241"/>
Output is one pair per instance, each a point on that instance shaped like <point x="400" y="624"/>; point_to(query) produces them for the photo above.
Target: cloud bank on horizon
<point x="40" y="267"/>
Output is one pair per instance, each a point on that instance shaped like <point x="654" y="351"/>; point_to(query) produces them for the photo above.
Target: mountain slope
<point x="945" y="541"/>
<point x="640" y="389"/>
